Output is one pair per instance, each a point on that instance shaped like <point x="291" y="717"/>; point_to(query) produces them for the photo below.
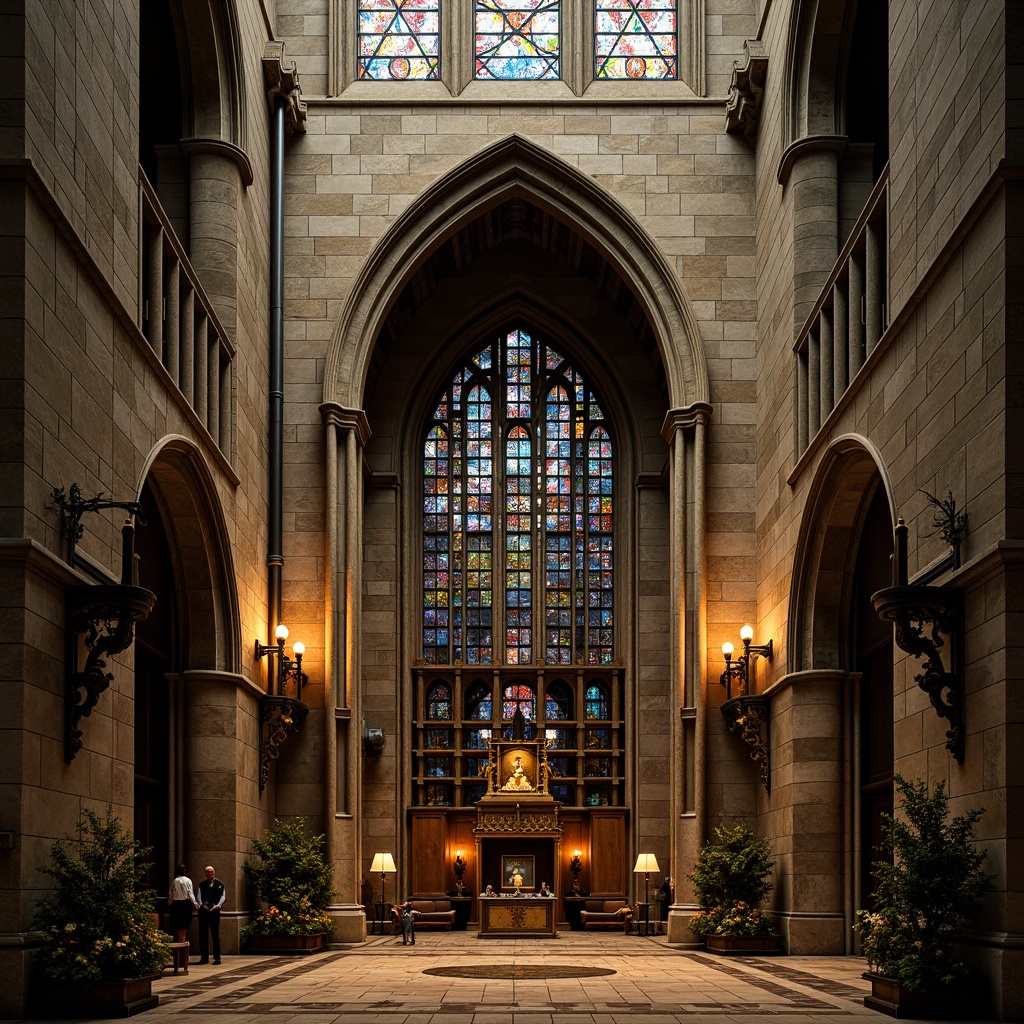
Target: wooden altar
<point x="505" y="917"/>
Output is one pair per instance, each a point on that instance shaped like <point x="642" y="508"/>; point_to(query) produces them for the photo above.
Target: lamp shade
<point x="646" y="862"/>
<point x="383" y="862"/>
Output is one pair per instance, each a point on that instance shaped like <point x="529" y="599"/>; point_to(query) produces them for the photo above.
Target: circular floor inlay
<point x="516" y="972"/>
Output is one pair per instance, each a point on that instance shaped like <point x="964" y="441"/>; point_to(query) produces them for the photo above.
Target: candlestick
<point x="128" y="554"/>
<point x="899" y="565"/>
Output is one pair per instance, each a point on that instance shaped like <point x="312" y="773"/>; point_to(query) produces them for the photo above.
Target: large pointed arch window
<point x="517" y="513"/>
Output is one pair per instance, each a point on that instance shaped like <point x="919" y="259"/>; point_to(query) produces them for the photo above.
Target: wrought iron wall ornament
<point x="748" y="716"/>
<point x="106" y="615"/>
<point x="101" y="619"/>
<point x="928" y="620"/>
<point x="279" y="718"/>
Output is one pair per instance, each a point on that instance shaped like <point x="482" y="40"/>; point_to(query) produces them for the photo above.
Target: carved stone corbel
<point x="746" y="90"/>
<point x="283" y="80"/>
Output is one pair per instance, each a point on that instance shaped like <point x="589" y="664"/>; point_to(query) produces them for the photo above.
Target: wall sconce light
<point x="747" y="713"/>
<point x="460" y="869"/>
<point x="100" y="618"/>
<point x="374" y="741"/>
<point x="576" y="866"/>
<point x="920" y="614"/>
<point x="280" y="715"/>
<point x="646" y="862"/>
<point x="385" y="864"/>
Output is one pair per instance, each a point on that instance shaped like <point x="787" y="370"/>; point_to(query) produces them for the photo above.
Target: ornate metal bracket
<point x="74" y="506"/>
<point x="279" y="718"/>
<point x="923" y="617"/>
<point x="106" y="615"/>
<point x="749" y="716"/>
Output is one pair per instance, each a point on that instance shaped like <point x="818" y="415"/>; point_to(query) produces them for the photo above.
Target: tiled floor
<point x="382" y="981"/>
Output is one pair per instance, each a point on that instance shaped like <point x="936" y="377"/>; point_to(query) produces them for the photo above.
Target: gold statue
<point x="517" y="781"/>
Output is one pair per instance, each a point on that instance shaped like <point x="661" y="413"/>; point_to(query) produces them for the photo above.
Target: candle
<point x="899" y="566"/>
<point x="128" y="554"/>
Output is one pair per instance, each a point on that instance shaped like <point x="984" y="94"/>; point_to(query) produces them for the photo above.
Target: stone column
<point x="218" y="171"/>
<point x="346" y="433"/>
<point x="217" y="748"/>
<point x="684" y="432"/>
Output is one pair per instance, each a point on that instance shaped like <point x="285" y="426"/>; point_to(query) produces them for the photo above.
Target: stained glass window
<point x="399" y="39"/>
<point x="439" y="702"/>
<point x="520" y="696"/>
<point x="478" y="702"/>
<point x="553" y="481"/>
<point x="559" y="702"/>
<point x="635" y="38"/>
<point x="596" y="703"/>
<point x="517" y="39"/>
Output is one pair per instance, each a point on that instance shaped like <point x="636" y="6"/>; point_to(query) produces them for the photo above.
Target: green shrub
<point x="730" y="879"/>
<point x="98" y="918"/>
<point x="924" y="896"/>
<point x="291" y="880"/>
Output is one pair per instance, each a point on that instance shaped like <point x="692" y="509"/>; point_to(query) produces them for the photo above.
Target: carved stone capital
<point x="282" y="80"/>
<point x="746" y="90"/>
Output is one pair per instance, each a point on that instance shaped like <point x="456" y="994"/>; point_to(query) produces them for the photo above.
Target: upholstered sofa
<point x="606" y="915"/>
<point x="426" y="914"/>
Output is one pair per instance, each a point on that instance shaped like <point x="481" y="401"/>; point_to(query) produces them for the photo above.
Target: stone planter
<point x="739" y="945"/>
<point x="287" y="945"/>
<point x="945" y="1003"/>
<point x="118" y="997"/>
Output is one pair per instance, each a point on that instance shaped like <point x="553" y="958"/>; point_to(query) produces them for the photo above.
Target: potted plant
<point x="921" y="901"/>
<point x="291" y="881"/>
<point x="731" y="879"/>
<point x="103" y="945"/>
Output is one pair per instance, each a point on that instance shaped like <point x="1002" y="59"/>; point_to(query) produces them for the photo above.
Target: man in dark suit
<point x="211" y="899"/>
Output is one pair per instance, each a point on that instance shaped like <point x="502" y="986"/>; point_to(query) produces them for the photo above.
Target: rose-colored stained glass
<point x="517" y="40"/>
<point x="398" y="40"/>
<point x="635" y="39"/>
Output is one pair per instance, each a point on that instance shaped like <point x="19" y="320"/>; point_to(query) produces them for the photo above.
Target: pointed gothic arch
<point x="826" y="551"/>
<point x="516" y="168"/>
<point x="200" y="552"/>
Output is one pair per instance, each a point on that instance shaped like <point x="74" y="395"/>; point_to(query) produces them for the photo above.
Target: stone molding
<point x="344" y="419"/>
<point x="218" y="147"/>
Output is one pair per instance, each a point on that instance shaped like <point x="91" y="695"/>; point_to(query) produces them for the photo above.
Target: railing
<point x="847" y="319"/>
<point x="179" y="322"/>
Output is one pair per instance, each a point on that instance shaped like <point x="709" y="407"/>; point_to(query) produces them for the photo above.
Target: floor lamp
<point x="646" y="862"/>
<point x="385" y="864"/>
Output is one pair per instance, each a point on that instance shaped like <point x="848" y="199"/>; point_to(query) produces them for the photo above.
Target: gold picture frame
<point x="517" y="872"/>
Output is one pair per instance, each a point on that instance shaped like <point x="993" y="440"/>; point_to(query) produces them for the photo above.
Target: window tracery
<point x="516" y="39"/>
<point x="555" y="484"/>
<point x="635" y="39"/>
<point x="399" y="39"/>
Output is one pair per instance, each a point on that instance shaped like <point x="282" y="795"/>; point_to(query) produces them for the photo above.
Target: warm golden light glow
<point x="299" y="648"/>
<point x="281" y="633"/>
<point x="747" y="633"/>
<point x="577" y="853"/>
<point x="383" y="862"/>
<point x="727" y="649"/>
<point x="645" y="862"/>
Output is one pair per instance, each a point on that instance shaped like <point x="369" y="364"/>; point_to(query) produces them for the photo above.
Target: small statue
<point x="517" y="780"/>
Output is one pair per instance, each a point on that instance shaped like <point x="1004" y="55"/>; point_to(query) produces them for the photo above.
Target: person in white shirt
<point x="182" y="900"/>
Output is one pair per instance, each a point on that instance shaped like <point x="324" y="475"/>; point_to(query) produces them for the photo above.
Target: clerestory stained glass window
<point x="544" y="508"/>
<point x="517" y="39"/>
<point x="399" y="39"/>
<point x="635" y="38"/>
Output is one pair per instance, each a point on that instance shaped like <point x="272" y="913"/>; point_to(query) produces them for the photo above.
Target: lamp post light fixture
<point x="646" y="862"/>
<point x="576" y="866"/>
<point x="385" y="864"/>
<point x="287" y="669"/>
